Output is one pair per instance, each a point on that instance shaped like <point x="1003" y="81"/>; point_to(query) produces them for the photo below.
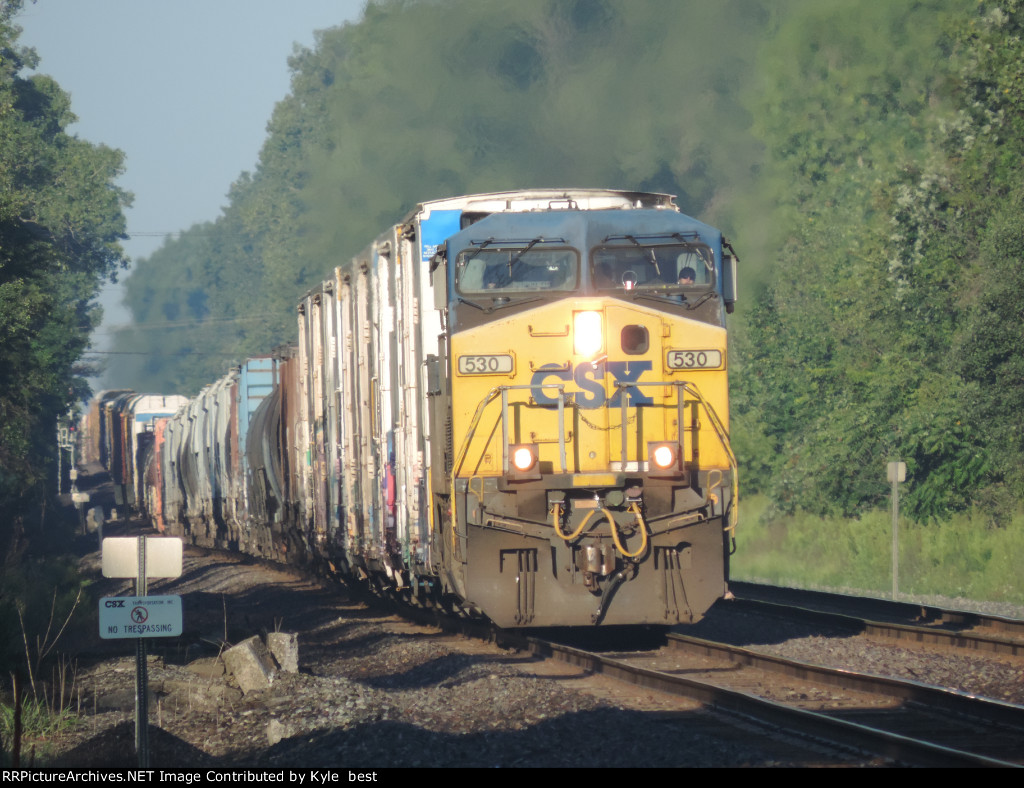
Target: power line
<point x="189" y="231"/>
<point x="157" y="233"/>
<point x="120" y="327"/>
<point x="152" y="354"/>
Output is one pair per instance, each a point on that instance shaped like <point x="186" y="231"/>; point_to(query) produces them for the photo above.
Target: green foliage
<point x="886" y="325"/>
<point x="961" y="556"/>
<point x="60" y="223"/>
<point x="39" y="719"/>
<point x="45" y="610"/>
<point x="986" y="196"/>
<point x="864" y="156"/>
<point x="36" y="598"/>
<point x="423" y="100"/>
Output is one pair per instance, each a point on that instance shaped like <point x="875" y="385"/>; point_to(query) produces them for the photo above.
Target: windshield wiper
<point x="510" y="302"/>
<point x="671" y="299"/>
<point x="652" y="259"/>
<point x="666" y="299"/>
<point x="498" y="302"/>
<point x="702" y="299"/>
<point x="462" y="300"/>
<point x="525" y="249"/>
<point x="483" y="245"/>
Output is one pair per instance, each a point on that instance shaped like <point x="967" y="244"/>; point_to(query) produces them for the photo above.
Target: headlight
<point x="663" y="456"/>
<point x="523" y="458"/>
<point x="588" y="333"/>
<point x="523" y="461"/>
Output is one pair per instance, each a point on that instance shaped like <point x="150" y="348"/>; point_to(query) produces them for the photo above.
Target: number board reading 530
<point x="485" y="365"/>
<point x="694" y="359"/>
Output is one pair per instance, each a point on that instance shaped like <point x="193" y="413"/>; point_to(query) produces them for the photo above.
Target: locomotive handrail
<point x="683" y="386"/>
<point x="723" y="438"/>
<point x="471" y="432"/>
<point x="475" y="422"/>
<point x="716" y="424"/>
<point x="504" y="425"/>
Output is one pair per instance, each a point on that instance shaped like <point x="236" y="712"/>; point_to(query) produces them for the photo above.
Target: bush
<point x="41" y="601"/>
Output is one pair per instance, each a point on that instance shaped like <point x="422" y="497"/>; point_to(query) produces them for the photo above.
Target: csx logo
<point x="114" y="603"/>
<point x="587" y="378"/>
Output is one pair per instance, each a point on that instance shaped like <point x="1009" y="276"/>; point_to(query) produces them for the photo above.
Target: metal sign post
<point x="896" y="473"/>
<point x="129" y="557"/>
<point x="141" y="672"/>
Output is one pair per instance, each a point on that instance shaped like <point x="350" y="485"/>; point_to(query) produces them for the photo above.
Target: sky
<point x="184" y="87"/>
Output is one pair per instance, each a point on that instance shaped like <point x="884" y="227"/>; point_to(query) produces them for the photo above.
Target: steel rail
<point x="989" y="711"/>
<point x="819" y="726"/>
<point x="948" y="631"/>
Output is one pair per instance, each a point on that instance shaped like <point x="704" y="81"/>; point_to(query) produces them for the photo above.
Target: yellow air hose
<point x="556" y="511"/>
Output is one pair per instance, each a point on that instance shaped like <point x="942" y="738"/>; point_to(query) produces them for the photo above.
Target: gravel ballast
<point x="375" y="691"/>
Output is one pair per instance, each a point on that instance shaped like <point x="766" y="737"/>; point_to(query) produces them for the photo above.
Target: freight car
<point x="511" y="404"/>
<point x="117" y="431"/>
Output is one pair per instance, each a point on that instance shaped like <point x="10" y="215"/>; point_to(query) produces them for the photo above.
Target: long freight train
<point x="511" y="404"/>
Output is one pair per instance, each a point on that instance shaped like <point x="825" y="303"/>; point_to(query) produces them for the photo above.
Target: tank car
<point x="199" y="485"/>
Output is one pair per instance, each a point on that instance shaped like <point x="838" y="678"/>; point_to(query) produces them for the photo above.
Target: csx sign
<point x="140" y="617"/>
<point x="589" y="380"/>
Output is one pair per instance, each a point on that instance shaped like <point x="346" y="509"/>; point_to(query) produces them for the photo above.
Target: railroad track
<point x="954" y="629"/>
<point x="840" y="715"/>
<point x="900" y="721"/>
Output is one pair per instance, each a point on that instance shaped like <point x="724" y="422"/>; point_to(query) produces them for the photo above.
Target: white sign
<point x="140" y="617"/>
<point x="693" y="359"/>
<point x="121" y="556"/>
<point x="896" y="472"/>
<point x="485" y="365"/>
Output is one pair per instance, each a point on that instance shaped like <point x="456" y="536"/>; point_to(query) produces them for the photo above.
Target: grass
<point x="962" y="557"/>
<point x="42" y="719"/>
<point x="41" y="605"/>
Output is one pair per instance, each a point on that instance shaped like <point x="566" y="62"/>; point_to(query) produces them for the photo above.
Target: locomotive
<point x="513" y="405"/>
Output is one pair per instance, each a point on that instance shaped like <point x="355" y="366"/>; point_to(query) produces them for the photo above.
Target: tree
<point x="845" y="361"/>
<point x="424" y="100"/>
<point x="902" y="195"/>
<point x="60" y="224"/>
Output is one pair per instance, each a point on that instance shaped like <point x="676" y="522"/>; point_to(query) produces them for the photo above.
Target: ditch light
<point x="524" y="461"/>
<point x="663" y="456"/>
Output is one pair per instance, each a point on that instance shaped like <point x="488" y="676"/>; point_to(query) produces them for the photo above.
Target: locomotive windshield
<point x="504" y="270"/>
<point x="660" y="265"/>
